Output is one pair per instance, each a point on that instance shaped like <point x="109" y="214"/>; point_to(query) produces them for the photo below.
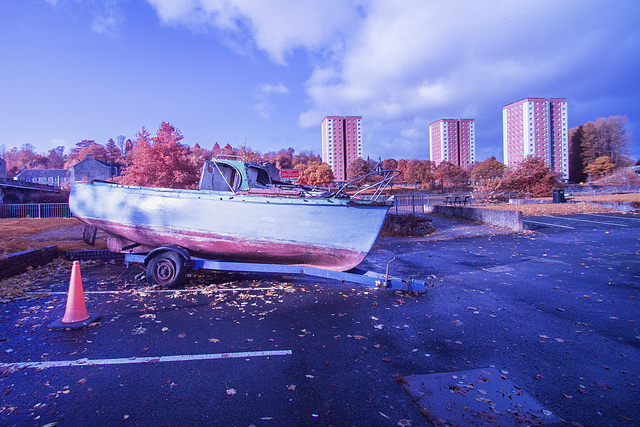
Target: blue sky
<point x="265" y="73"/>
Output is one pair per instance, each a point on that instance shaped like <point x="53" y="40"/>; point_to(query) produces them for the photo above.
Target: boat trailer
<point x="169" y="270"/>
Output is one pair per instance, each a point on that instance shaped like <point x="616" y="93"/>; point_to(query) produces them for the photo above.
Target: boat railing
<point x="386" y="176"/>
<point x="230" y="157"/>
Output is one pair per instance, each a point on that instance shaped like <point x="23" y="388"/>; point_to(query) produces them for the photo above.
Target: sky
<point x="265" y="73"/>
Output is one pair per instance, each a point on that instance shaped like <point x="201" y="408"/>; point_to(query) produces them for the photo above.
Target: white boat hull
<point x="334" y="234"/>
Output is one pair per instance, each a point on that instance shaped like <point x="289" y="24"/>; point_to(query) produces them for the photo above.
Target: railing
<point x="595" y="191"/>
<point x="7" y="182"/>
<point x="36" y="210"/>
<point x="414" y="203"/>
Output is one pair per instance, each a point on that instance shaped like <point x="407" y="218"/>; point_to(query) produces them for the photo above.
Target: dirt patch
<point x="574" y="205"/>
<point x="553" y="208"/>
<point x="628" y="197"/>
<point x="20" y="234"/>
<point x="406" y="226"/>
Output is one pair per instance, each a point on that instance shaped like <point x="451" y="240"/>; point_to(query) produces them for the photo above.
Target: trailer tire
<point x="166" y="269"/>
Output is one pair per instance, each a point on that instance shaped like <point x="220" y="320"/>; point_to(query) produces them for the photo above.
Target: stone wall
<point x="499" y="218"/>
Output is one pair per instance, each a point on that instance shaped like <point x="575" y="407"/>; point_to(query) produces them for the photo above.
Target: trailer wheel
<point x="166" y="269"/>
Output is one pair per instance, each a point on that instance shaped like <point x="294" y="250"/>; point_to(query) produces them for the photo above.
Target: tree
<point x="113" y="153"/>
<point x="576" y="168"/>
<point x="248" y="154"/>
<point x="606" y="137"/>
<point x="451" y="175"/>
<point x="306" y="158"/>
<point x="19" y="159"/>
<point x="357" y="168"/>
<point x="487" y="169"/>
<point x="121" y="143"/>
<point x="80" y="145"/>
<point x="161" y="161"/>
<point x="530" y="178"/>
<point x="488" y="190"/>
<point x="56" y="157"/>
<point x="390" y="164"/>
<point x="284" y="159"/>
<point x="418" y="172"/>
<point x="96" y="151"/>
<point x="197" y="156"/>
<point x="216" y="150"/>
<point x="402" y="167"/>
<point x="316" y="174"/>
<point x="600" y="166"/>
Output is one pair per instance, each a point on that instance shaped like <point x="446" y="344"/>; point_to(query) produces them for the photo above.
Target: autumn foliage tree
<point x="418" y="171"/>
<point x="113" y="153"/>
<point x="161" y="161"/>
<point x="600" y="166"/>
<point x="487" y="169"/>
<point x="357" y="168"/>
<point x="316" y="174"/>
<point x="18" y="159"/>
<point x="530" y="178"/>
<point x="592" y="140"/>
<point x="449" y="174"/>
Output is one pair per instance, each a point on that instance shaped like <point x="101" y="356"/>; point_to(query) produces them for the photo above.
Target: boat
<point x="238" y="213"/>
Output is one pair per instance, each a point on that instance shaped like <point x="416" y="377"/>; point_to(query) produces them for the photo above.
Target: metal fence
<point x="414" y="203"/>
<point x="597" y="191"/>
<point x="35" y="210"/>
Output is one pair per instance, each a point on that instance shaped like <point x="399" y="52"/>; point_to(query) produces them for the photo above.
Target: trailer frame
<point x="355" y="275"/>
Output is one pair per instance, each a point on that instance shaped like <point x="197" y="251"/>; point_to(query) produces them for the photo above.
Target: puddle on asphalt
<point x="478" y="397"/>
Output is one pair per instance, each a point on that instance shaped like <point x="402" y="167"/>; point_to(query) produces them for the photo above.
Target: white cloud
<point x="108" y="17"/>
<point x="398" y="62"/>
<point x="264" y="106"/>
<point x="105" y="25"/>
<point x="276" y="27"/>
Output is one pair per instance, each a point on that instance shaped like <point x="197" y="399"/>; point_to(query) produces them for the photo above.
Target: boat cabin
<point x="225" y="174"/>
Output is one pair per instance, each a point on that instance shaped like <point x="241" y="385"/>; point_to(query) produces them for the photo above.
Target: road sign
<point x="290" y="174"/>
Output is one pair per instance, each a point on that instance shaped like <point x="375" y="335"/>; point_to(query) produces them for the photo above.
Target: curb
<point x="94" y="254"/>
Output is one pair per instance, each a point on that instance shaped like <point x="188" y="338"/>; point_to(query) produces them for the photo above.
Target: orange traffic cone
<point x="75" y="315"/>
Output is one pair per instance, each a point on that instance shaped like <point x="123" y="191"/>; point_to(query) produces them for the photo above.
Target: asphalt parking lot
<point x="554" y="310"/>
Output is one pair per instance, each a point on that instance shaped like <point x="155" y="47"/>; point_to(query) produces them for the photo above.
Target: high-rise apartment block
<point x="341" y="143"/>
<point x="453" y="140"/>
<point x="538" y="127"/>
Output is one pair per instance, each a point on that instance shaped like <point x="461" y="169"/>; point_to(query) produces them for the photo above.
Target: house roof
<point x="42" y="173"/>
<point x="90" y="158"/>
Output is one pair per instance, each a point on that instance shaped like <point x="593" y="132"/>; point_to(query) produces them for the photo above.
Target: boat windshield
<point x="224" y="178"/>
<point x="258" y="177"/>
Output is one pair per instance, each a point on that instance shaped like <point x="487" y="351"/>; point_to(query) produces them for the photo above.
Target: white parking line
<point x="616" y="217"/>
<point x="550" y="225"/>
<point x="130" y="360"/>
<point x="586" y="220"/>
<point x="162" y="291"/>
